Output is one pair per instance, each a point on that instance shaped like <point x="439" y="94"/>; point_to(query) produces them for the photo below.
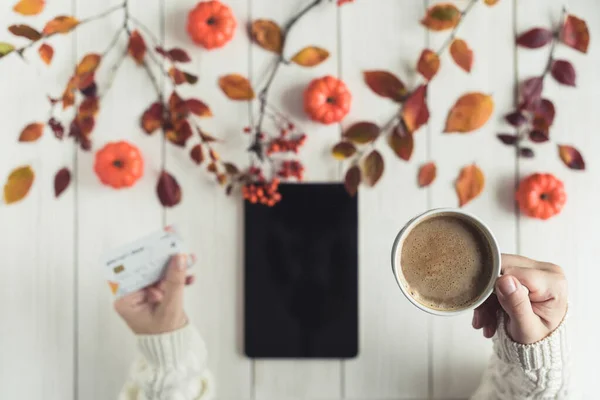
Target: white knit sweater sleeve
<point x="172" y="366"/>
<point x="537" y="371"/>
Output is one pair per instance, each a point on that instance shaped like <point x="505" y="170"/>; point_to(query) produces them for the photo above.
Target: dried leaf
<point x="571" y="157"/>
<point x="531" y="92"/>
<point x="190" y="78"/>
<point x="310" y="56"/>
<point x="491" y="2"/>
<point x="61" y="24"/>
<point x="212" y="167"/>
<point x="415" y="112"/>
<point x="507" y="138"/>
<point x="29" y="7"/>
<point x="231" y="169"/>
<point x="471" y="112"/>
<point x="197" y="154"/>
<point x="87" y="66"/>
<point x="564" y="72"/>
<point x="343" y="150"/>
<point x="206" y="138"/>
<point x="544" y="111"/>
<point x="462" y="54"/>
<point x="362" y="132"/>
<point x="152" y="118"/>
<point x="441" y="17"/>
<point x="222" y="179"/>
<point x="180" y="77"/>
<point x="385" y="84"/>
<point x="429" y="64"/>
<point x="179" y="55"/>
<point x="516" y="119"/>
<point x="18" y="184"/>
<point x="86" y="124"/>
<point x="470" y="184"/>
<point x="31" y="132"/>
<point x="68" y="96"/>
<point x="526" y="152"/>
<point x="89" y="107"/>
<point x="136" y="47"/>
<point x="180" y="134"/>
<point x="267" y="34"/>
<point x="427" y="174"/>
<point x="61" y="181"/>
<point x="46" y="53"/>
<point x="57" y="128"/>
<point x="6" y="48"/>
<point x="402" y="143"/>
<point x="352" y="180"/>
<point x="372" y="168"/>
<point x="198" y="108"/>
<point x="575" y="34"/>
<point x="538" y="136"/>
<point x="25" y="31"/>
<point x="535" y="38"/>
<point x="213" y="155"/>
<point x="236" y="87"/>
<point x="168" y="190"/>
<point x="177" y="107"/>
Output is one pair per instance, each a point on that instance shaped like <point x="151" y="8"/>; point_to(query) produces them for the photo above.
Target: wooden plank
<point x="36" y="341"/>
<point x="565" y="239"/>
<point x="393" y="359"/>
<point x="211" y="222"/>
<point x="459" y="352"/>
<point x="285" y="378"/>
<point x="106" y="217"/>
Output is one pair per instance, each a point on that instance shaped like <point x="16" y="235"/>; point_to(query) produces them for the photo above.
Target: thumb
<point x="174" y="283"/>
<point x="514" y="299"/>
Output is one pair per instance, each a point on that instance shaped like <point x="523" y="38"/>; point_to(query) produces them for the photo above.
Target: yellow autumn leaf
<point x="310" y="56"/>
<point x="18" y="184"/>
<point x="29" y="7"/>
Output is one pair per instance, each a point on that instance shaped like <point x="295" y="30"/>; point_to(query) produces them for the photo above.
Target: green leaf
<point x="6" y="48"/>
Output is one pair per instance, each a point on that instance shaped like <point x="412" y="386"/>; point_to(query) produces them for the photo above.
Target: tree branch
<point x="452" y="35"/>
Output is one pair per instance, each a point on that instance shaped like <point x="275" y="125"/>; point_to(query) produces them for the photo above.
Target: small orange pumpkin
<point x="211" y="24"/>
<point x="119" y="164"/>
<point x="327" y="100"/>
<point x="541" y="196"/>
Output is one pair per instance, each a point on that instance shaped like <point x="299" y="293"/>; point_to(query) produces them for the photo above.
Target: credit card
<point x="143" y="262"/>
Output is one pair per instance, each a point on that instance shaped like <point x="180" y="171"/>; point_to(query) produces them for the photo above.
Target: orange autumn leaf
<point x="61" y="24"/>
<point x="415" y="112"/>
<point x="136" y="47"/>
<point x="267" y="34"/>
<point x="462" y="54"/>
<point x="470" y="184"/>
<point x="18" y="184"/>
<point x="46" y="53"/>
<point x="88" y="64"/>
<point x="470" y="112"/>
<point x="198" y="107"/>
<point x="491" y="2"/>
<point x="29" y="7"/>
<point x="31" y="132"/>
<point x="310" y="56"/>
<point x="114" y="286"/>
<point x="441" y="17"/>
<point x="236" y="87"/>
<point x="427" y="174"/>
<point x="429" y="64"/>
<point x="89" y="107"/>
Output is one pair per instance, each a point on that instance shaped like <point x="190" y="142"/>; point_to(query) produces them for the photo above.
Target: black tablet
<point x="301" y="274"/>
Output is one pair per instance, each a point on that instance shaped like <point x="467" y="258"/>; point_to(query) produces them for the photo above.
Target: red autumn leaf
<point x="25" y="31"/>
<point x="531" y="92"/>
<point x="46" y="53"/>
<point x="137" y="47"/>
<point x="267" y="34"/>
<point x="571" y="157"/>
<point x="60" y="24"/>
<point x="29" y="7"/>
<point x="342" y="2"/>
<point x="152" y="118"/>
<point x="429" y="64"/>
<point x="372" y="168"/>
<point x="441" y="17"/>
<point x="564" y="72"/>
<point x="89" y="107"/>
<point x="508" y="139"/>
<point x="385" y="84"/>
<point x="179" y="55"/>
<point x="236" y="87"/>
<point x="415" y="112"/>
<point x="427" y="174"/>
<point x="18" y="184"/>
<point x="86" y="124"/>
<point x="180" y="134"/>
<point x="197" y="154"/>
<point x="177" y="76"/>
<point x="61" y="181"/>
<point x="535" y="38"/>
<point x="545" y="111"/>
<point x="526" y="152"/>
<point x="31" y="132"/>
<point x="401" y="142"/>
<point x="168" y="190"/>
<point x="343" y="150"/>
<point x="57" y="128"/>
<point x="462" y="54"/>
<point x="352" y="180"/>
<point x="470" y="112"/>
<point x="362" y="132"/>
<point x="231" y="169"/>
<point x="198" y="108"/>
<point x="575" y="34"/>
<point x="470" y="184"/>
<point x="177" y="107"/>
<point x="538" y="136"/>
<point x="516" y="119"/>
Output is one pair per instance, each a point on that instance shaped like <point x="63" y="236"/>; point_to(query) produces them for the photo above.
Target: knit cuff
<point x="167" y="350"/>
<point x="549" y="353"/>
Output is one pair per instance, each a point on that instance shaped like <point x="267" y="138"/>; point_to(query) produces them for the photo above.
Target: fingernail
<point x="507" y="286"/>
<point x="475" y="322"/>
<point x="181" y="262"/>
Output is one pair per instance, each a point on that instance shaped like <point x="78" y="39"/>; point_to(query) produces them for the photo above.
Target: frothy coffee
<point x="446" y="263"/>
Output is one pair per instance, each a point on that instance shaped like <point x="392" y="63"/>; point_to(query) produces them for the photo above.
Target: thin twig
<point x="113" y="73"/>
<point x="146" y="30"/>
<point x="152" y="78"/>
<point x="113" y="42"/>
<point x="452" y="35"/>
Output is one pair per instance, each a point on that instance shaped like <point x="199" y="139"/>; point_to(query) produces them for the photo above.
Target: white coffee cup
<point x="469" y="218"/>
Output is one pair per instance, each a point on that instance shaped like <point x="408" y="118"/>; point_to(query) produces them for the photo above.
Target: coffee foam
<point x="446" y="262"/>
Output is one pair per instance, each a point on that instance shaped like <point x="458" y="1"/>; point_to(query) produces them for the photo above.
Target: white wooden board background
<point x="59" y="337"/>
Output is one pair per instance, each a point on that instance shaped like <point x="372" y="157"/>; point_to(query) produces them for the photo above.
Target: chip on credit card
<point x="143" y="262"/>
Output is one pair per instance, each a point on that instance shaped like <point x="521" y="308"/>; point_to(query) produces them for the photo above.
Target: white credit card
<point x="142" y="263"/>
